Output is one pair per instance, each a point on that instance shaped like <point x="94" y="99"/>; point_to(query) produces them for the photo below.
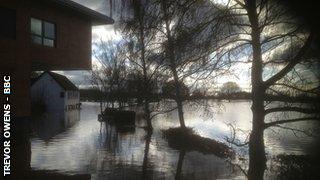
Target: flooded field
<point x="79" y="144"/>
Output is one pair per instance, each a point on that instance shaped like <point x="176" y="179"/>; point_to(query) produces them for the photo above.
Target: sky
<point x="107" y="32"/>
<point x="104" y="32"/>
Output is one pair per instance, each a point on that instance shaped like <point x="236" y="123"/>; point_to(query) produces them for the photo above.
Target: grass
<point x="187" y="139"/>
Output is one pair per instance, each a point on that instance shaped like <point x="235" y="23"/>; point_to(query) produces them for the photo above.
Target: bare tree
<point x="195" y="39"/>
<point x="140" y="34"/>
<point x="186" y="33"/>
<point x="267" y="36"/>
<point x="110" y="73"/>
<point x="174" y="35"/>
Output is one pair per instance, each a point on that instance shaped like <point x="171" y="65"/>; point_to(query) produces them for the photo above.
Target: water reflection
<point x="22" y="153"/>
<point x="145" y="157"/>
<point x="108" y="152"/>
<point x="105" y="151"/>
<point x="49" y="124"/>
<point x="178" y="176"/>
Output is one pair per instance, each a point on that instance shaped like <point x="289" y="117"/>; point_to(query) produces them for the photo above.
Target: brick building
<point x="43" y="35"/>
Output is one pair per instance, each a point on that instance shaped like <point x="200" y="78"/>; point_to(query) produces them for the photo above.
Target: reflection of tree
<point x="178" y="176"/>
<point x="112" y="141"/>
<point x="145" y="157"/>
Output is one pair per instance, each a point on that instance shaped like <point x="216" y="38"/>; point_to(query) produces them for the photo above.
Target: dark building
<point x="43" y="35"/>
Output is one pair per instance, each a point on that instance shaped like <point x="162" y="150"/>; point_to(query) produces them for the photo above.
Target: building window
<point x="62" y="94"/>
<point x="8" y="23"/>
<point x="43" y="32"/>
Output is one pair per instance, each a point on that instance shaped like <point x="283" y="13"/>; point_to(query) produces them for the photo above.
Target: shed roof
<point x="63" y="81"/>
<point x="95" y="17"/>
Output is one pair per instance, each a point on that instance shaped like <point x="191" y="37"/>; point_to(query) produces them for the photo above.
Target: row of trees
<point x="132" y="86"/>
<point x="195" y="41"/>
<point x="164" y="40"/>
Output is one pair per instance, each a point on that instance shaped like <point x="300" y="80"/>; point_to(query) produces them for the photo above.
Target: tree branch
<point x="275" y="123"/>
<point x="240" y="3"/>
<point x="296" y="109"/>
<point x="297" y="88"/>
<point x="295" y="130"/>
<point x="291" y="64"/>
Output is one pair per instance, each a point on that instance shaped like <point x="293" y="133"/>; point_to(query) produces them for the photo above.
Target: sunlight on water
<point x="91" y="147"/>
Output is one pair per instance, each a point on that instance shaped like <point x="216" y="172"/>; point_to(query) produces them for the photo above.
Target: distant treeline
<point x="97" y="95"/>
<point x="223" y="96"/>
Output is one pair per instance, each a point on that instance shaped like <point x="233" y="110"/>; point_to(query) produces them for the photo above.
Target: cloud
<point x="97" y="5"/>
<point x="79" y="78"/>
<point x="108" y="32"/>
<point x="104" y="32"/>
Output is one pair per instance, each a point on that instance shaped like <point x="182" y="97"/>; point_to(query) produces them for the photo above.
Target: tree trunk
<point x="101" y="102"/>
<point x="146" y="93"/>
<point x="101" y="110"/>
<point x="147" y="115"/>
<point x="257" y="157"/>
<point x="173" y="66"/>
<point x="111" y="8"/>
<point x="178" y="98"/>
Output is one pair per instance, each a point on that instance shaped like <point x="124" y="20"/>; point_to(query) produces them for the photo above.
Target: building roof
<point x="95" y="17"/>
<point x="63" y="81"/>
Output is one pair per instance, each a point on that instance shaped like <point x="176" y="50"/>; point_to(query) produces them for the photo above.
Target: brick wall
<point x="19" y="56"/>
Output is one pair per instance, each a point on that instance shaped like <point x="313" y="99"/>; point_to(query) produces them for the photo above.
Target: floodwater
<point x="79" y="144"/>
